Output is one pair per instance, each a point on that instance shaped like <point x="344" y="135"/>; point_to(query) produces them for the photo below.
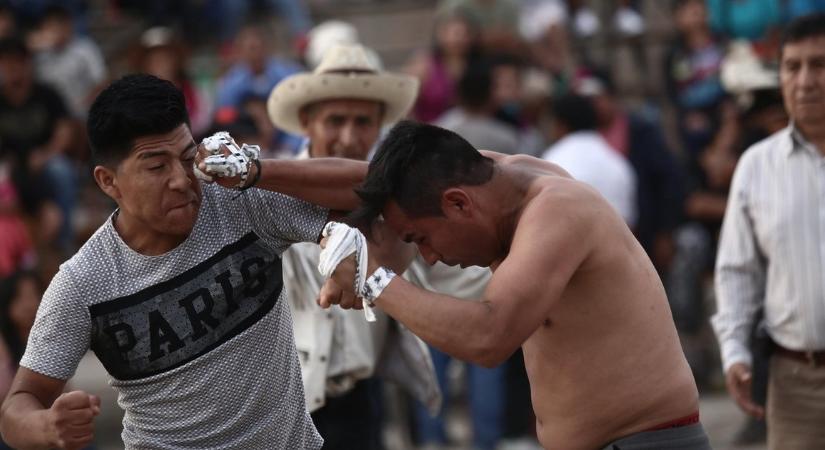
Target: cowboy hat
<point x="345" y="72"/>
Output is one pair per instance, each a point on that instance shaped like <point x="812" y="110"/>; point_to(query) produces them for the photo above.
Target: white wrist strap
<point x="376" y="283"/>
<point x="343" y="241"/>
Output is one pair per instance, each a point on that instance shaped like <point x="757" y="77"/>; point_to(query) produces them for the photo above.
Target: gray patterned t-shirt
<point x="198" y="341"/>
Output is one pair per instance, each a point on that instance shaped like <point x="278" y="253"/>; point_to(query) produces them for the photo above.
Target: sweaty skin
<point x="571" y="286"/>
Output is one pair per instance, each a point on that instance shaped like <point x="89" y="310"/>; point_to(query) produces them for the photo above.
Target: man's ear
<point x="106" y="178"/>
<point x="456" y="201"/>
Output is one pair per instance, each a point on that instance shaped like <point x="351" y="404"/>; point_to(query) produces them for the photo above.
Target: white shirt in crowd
<point x="772" y="248"/>
<point x="590" y="159"/>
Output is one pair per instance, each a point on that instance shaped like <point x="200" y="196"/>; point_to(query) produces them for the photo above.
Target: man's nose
<point x="806" y="76"/>
<point x="180" y="178"/>
<point x="348" y="136"/>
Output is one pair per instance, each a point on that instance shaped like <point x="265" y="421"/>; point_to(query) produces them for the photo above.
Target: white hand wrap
<point x="343" y="241"/>
<point x="236" y="163"/>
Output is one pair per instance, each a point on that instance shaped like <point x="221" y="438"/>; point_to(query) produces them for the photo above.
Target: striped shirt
<point x="772" y="248"/>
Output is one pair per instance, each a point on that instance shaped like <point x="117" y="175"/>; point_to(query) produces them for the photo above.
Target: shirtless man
<point x="571" y="286"/>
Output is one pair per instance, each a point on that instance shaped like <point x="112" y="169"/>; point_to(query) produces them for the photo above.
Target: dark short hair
<point x="15" y="47"/>
<point x="575" y="112"/>
<point x="132" y="107"/>
<point x="804" y="27"/>
<point x="413" y="166"/>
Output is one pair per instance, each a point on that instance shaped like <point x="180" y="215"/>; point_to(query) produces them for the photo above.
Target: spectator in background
<point x="255" y="70"/>
<point x="456" y="43"/>
<point x="770" y="254"/>
<point x="692" y="76"/>
<point x="474" y="117"/>
<point x="233" y="13"/>
<point x="19" y="298"/>
<point x="583" y="152"/>
<point x="709" y="174"/>
<point x="162" y="54"/>
<point x="72" y="64"/>
<point x="16" y="250"/>
<point x="660" y="191"/>
<point x="8" y="22"/>
<point x="30" y="12"/>
<point x="757" y="21"/>
<point x="512" y="104"/>
<point x="36" y="132"/>
<point x="340" y="107"/>
<point x="497" y="21"/>
<point x="252" y="76"/>
<point x="544" y="26"/>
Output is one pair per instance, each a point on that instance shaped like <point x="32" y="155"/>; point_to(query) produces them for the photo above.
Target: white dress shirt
<point x="590" y="159"/>
<point x="772" y="248"/>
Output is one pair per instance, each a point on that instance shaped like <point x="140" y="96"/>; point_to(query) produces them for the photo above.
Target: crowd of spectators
<point x="514" y="77"/>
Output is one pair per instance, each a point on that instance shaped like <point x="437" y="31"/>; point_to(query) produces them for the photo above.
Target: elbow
<point x="491" y="360"/>
<point x="494" y="351"/>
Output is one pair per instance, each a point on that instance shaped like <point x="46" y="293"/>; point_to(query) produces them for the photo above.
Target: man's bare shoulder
<point x="552" y="198"/>
<point x="525" y="162"/>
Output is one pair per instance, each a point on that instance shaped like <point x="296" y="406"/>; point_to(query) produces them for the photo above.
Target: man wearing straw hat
<point x="340" y="108"/>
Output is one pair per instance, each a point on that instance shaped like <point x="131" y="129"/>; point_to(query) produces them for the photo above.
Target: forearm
<point x="328" y="182"/>
<point x="24" y="423"/>
<point x="738" y="300"/>
<point x="464" y="329"/>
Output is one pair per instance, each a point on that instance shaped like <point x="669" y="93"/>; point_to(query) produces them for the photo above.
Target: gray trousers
<point x="690" y="437"/>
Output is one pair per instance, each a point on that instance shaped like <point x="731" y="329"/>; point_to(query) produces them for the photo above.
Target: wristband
<point x="375" y="284"/>
<point x="256" y="178"/>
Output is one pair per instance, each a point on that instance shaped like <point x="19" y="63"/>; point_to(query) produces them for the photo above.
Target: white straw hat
<point x="345" y="72"/>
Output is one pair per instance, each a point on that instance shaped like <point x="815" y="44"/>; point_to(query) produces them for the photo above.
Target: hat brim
<point x="397" y="92"/>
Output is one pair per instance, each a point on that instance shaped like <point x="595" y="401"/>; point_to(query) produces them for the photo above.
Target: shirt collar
<point x="796" y="141"/>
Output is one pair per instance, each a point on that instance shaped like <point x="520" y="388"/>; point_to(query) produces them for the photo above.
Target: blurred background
<point x="679" y="90"/>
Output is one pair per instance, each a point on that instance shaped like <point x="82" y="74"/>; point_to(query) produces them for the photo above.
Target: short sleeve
<point x="280" y="218"/>
<point x="61" y="333"/>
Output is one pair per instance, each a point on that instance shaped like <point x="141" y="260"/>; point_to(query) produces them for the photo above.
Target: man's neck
<point x="505" y="204"/>
<point x="813" y="133"/>
<point x="141" y="239"/>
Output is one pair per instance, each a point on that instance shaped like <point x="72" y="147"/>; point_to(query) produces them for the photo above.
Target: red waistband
<point x="676" y="423"/>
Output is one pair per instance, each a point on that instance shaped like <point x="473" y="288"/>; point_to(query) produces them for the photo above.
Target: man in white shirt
<point x="772" y="255"/>
<point x="582" y="151"/>
<point x="340" y="108"/>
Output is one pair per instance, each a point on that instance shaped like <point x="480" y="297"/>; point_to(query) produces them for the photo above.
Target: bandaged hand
<point x="345" y="260"/>
<point x="221" y="160"/>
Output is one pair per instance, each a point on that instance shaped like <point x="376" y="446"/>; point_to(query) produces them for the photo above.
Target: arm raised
<point x="328" y="182"/>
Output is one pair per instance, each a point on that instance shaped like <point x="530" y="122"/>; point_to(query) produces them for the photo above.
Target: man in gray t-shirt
<point x="179" y="294"/>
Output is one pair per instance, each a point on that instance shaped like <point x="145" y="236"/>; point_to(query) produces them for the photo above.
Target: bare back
<point x="605" y="361"/>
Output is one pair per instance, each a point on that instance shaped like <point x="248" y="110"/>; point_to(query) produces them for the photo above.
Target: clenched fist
<point x="71" y="420"/>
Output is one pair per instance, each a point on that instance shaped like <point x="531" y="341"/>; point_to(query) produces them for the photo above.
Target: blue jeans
<point x="486" y="392"/>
